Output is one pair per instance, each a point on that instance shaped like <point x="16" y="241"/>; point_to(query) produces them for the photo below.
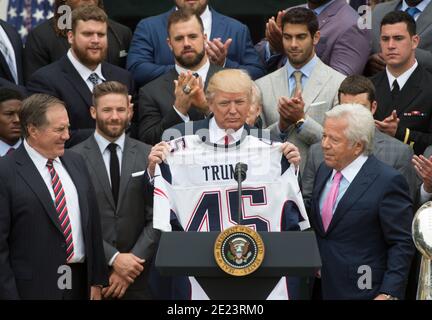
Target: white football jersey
<point x="197" y="184"/>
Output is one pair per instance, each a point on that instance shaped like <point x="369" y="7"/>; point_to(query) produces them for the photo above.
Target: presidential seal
<point x="239" y="250"/>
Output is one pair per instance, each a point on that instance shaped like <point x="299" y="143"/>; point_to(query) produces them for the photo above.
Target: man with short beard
<point x="228" y="43"/>
<point x="48" y="42"/>
<point x="343" y="46"/>
<point x="73" y="77"/>
<point x="296" y="96"/>
<point x="177" y="96"/>
<point x="124" y="201"/>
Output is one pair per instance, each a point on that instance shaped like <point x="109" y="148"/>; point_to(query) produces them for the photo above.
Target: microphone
<point x="240" y="175"/>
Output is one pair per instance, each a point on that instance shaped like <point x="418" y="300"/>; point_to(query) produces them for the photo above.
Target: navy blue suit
<point x="17" y="45"/>
<point x="60" y="79"/>
<point x="32" y="244"/>
<point x="371" y="226"/>
<point x="149" y="55"/>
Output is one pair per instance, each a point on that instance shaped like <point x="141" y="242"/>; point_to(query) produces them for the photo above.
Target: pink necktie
<point x="330" y="200"/>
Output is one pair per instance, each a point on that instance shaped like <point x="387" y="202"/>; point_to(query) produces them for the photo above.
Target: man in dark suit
<point x="50" y="235"/>
<point x="361" y="212"/>
<point x="229" y="95"/>
<point x="10" y="54"/>
<point x="124" y="201"/>
<point x="10" y="129"/>
<point x="358" y="89"/>
<point x="229" y="44"/>
<point x="73" y="77"/>
<point x="421" y="11"/>
<point x="48" y="42"/>
<point x="403" y="88"/>
<point x="164" y="102"/>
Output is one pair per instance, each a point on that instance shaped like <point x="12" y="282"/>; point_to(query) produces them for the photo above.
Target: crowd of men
<point x="84" y="108"/>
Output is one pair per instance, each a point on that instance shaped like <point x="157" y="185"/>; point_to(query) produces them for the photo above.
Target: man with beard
<point x="48" y="42"/>
<point x="177" y="96"/>
<point x="228" y="43"/>
<point x="124" y="201"/>
<point x="296" y="96"/>
<point x="73" y="77"/>
<point x="342" y="46"/>
<point x="421" y="11"/>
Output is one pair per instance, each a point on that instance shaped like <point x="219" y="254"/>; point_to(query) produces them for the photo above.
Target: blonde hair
<point x="231" y="81"/>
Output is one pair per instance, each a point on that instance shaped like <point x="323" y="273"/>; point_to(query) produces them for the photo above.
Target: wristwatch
<point x="299" y="123"/>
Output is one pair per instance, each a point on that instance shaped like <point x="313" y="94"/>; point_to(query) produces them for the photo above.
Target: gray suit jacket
<point x="320" y="94"/>
<point x="387" y="149"/>
<point x="343" y="45"/>
<point x="129" y="227"/>
<point x="424" y="30"/>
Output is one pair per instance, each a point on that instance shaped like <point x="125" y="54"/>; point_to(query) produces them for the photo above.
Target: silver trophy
<point x="422" y="236"/>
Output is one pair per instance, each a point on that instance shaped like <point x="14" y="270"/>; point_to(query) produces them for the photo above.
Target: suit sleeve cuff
<point x="185" y="118"/>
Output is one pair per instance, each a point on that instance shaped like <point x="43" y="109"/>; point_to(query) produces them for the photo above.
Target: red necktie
<point x="226" y="140"/>
<point x="61" y="208"/>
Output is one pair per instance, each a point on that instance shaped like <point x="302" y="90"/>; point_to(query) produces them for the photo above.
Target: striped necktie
<point x="61" y="208"/>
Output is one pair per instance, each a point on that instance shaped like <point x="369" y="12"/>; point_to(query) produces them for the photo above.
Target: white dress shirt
<point x="85" y="72"/>
<point x="348" y="175"/>
<point x="403" y="78"/>
<point x="421" y="7"/>
<point x="8" y="44"/>
<point x="106" y="154"/>
<point x="4" y="147"/>
<point x="71" y="194"/>
<point x="202" y="72"/>
<point x="217" y="134"/>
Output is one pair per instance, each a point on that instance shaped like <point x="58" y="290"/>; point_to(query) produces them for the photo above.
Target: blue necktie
<point x="412" y="11"/>
<point x="94" y="79"/>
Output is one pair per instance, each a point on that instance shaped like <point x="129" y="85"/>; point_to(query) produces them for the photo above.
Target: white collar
<point x="351" y="170"/>
<point x="4" y="147"/>
<point x="83" y="71"/>
<point x="206" y="18"/>
<point x="202" y="72"/>
<point x="39" y="160"/>
<point x="217" y="134"/>
<point x="103" y="142"/>
<point x="421" y="6"/>
<point x="403" y="78"/>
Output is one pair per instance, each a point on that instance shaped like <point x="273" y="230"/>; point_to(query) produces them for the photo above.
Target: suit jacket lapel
<point x="424" y="19"/>
<point x="385" y="106"/>
<point x="80" y="187"/>
<point x="314" y="85"/>
<point x="280" y="84"/>
<point x="355" y="190"/>
<point x="30" y="174"/>
<point x="97" y="164"/>
<point x="410" y="91"/>
<point x="217" y="26"/>
<point x="379" y="140"/>
<point x="321" y="181"/>
<point x="330" y="11"/>
<point x="76" y="81"/>
<point x="128" y="164"/>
